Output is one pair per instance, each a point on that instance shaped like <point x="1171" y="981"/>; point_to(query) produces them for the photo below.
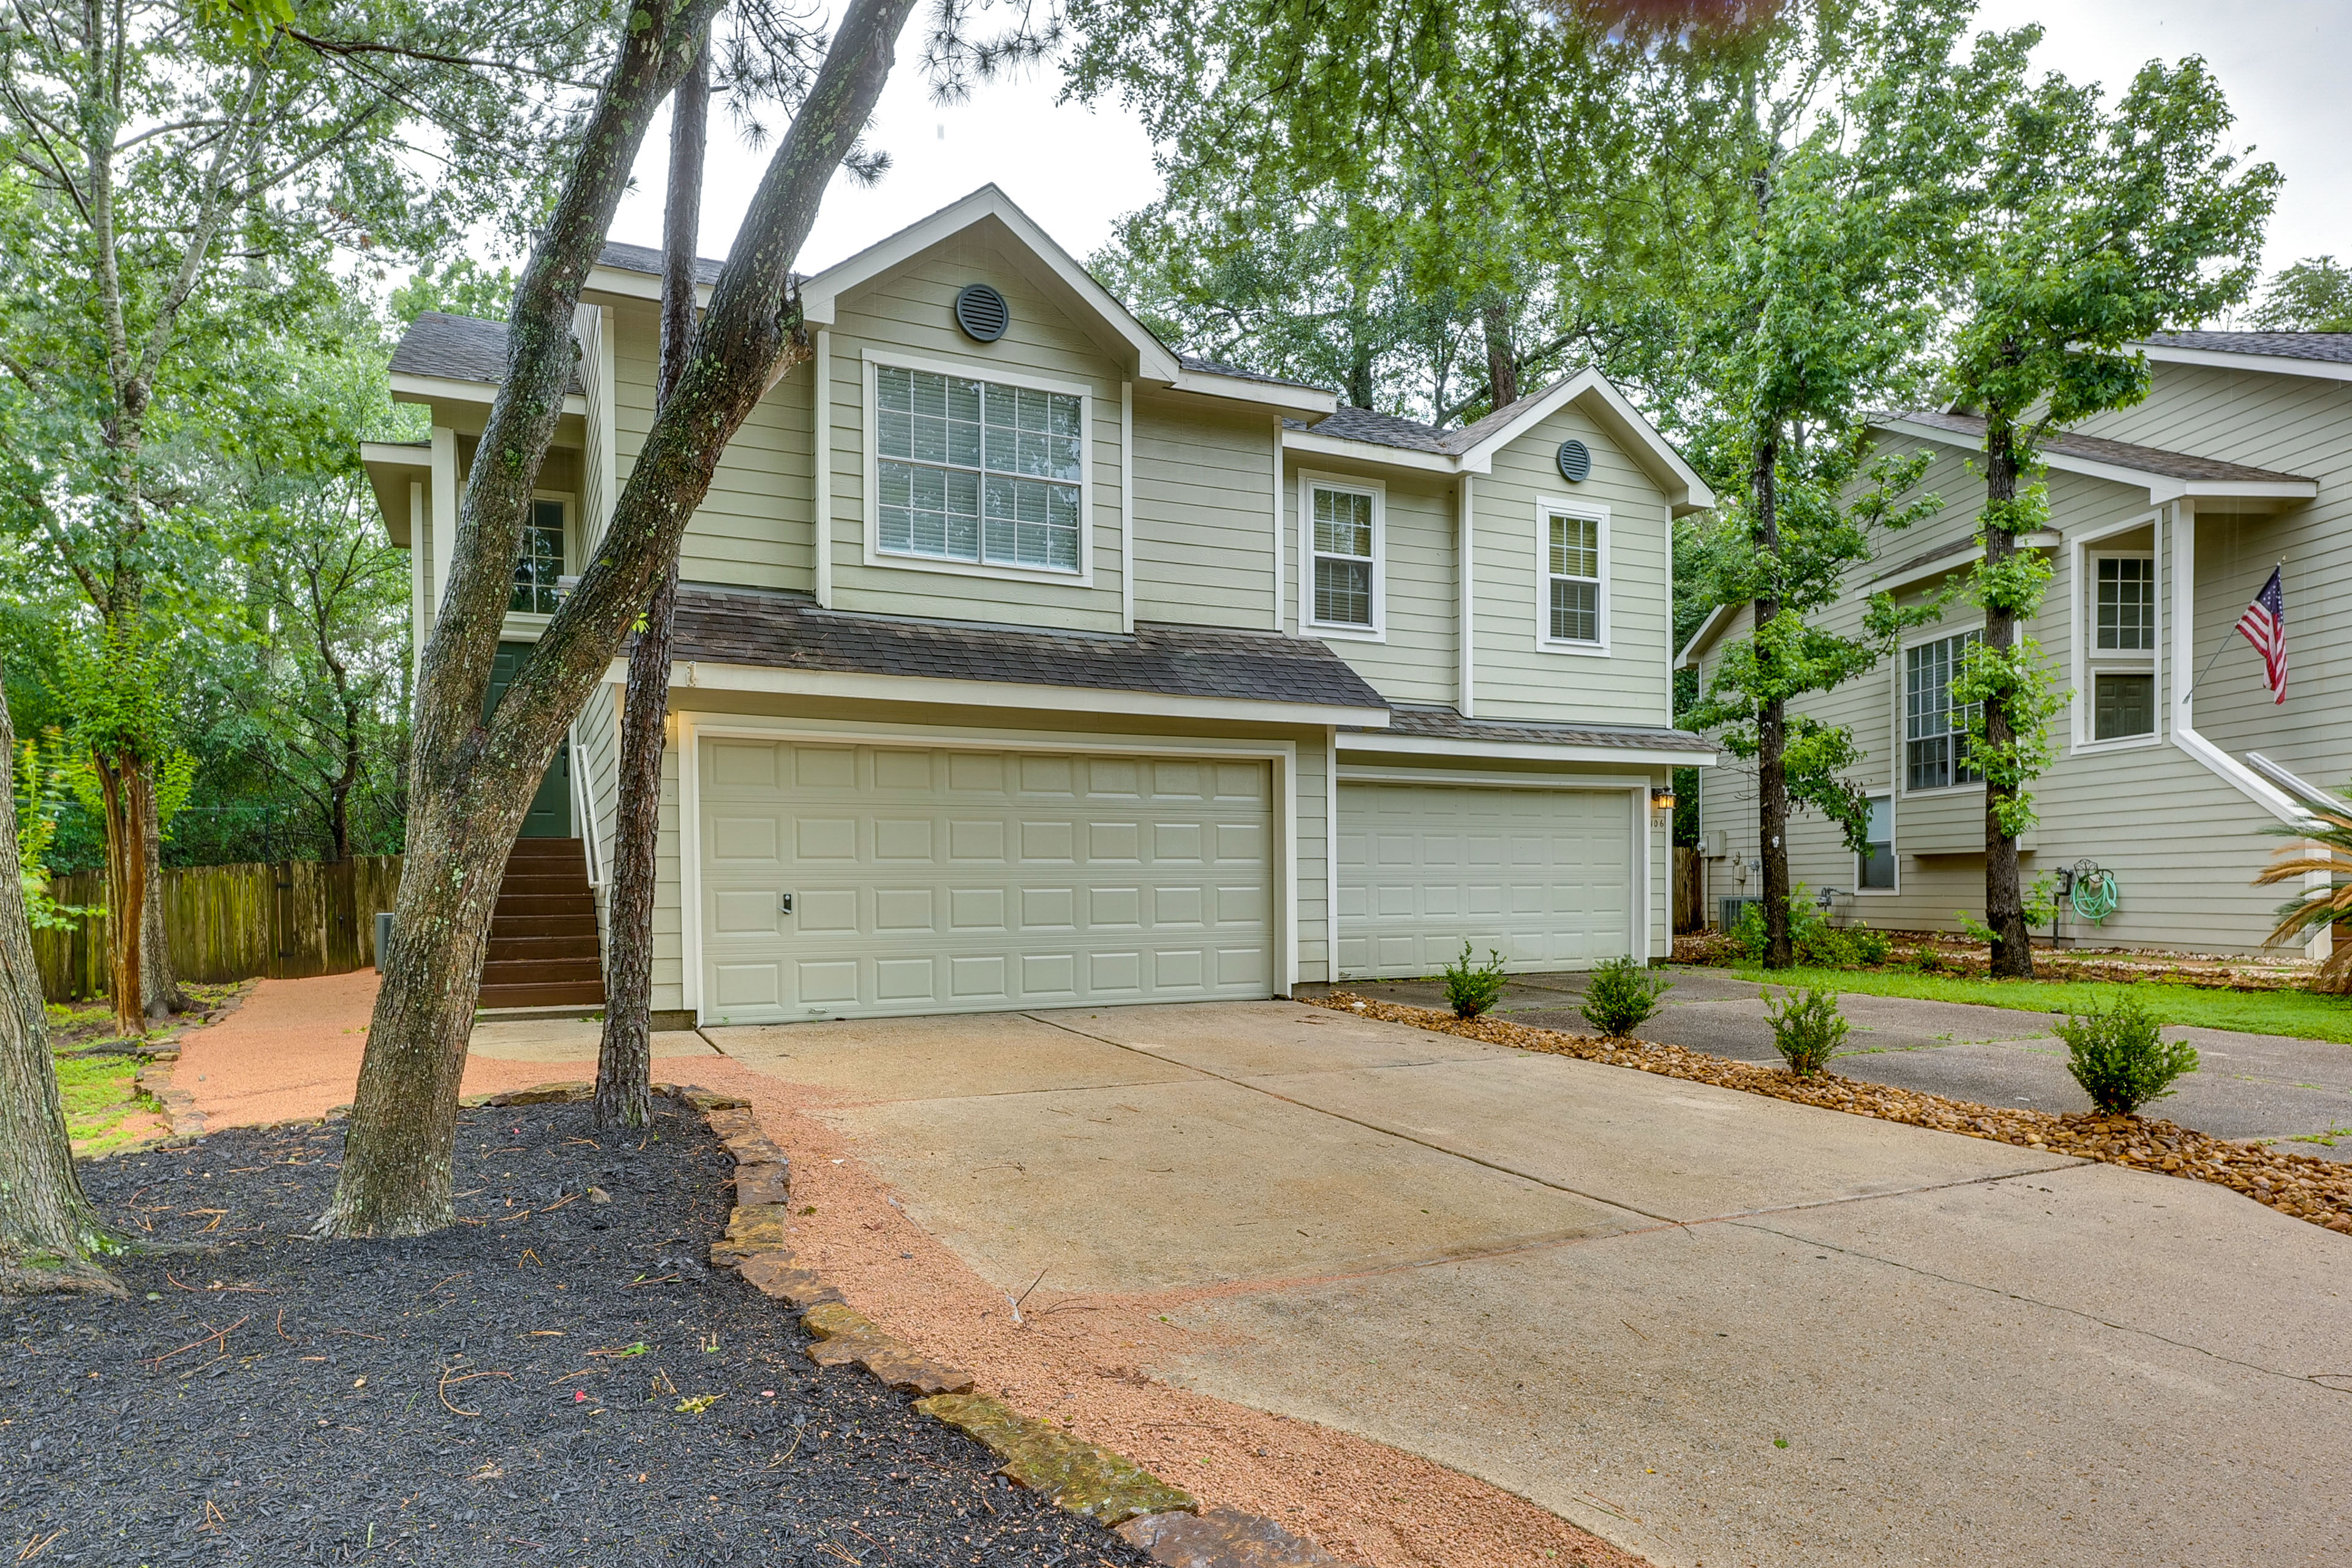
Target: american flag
<point x="2265" y="626"/>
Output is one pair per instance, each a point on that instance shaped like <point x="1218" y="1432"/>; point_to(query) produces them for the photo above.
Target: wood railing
<point x="233" y="922"/>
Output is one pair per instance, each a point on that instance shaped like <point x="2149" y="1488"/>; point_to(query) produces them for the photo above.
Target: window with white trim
<point x="1874" y="869"/>
<point x="2122" y="652"/>
<point x="1574" y="598"/>
<point x="978" y="471"/>
<point x="1344" y="535"/>
<point x="540" y="561"/>
<point x="1934" y="728"/>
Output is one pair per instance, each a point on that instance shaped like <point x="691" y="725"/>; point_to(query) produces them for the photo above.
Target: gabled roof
<point x="2166" y="475"/>
<point x="1471" y="449"/>
<point x="644" y="258"/>
<point x="2324" y="355"/>
<point x="1445" y="724"/>
<point x="441" y="347"/>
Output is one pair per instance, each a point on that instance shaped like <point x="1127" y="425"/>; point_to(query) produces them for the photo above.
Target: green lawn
<point x="104" y="1110"/>
<point x="2295" y="1012"/>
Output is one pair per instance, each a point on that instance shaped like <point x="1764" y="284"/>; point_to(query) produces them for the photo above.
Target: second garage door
<point x="1543" y="876"/>
<point x="932" y="881"/>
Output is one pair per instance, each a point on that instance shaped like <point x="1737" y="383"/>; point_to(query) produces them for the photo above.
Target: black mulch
<point x="558" y="1379"/>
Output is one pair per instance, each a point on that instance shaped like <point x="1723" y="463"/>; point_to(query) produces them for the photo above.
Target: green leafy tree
<point x="2092" y="226"/>
<point x="2314" y="295"/>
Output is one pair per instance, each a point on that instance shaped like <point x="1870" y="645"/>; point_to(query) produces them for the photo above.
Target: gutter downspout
<point x="2243" y="779"/>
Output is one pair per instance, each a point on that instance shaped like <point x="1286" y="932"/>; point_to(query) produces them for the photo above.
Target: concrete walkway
<point x="1717" y="1328"/>
<point x="2246" y="1085"/>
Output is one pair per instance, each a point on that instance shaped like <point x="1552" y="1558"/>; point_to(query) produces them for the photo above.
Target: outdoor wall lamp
<point x="1663" y="798"/>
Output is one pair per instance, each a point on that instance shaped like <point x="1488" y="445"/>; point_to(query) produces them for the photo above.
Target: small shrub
<point x="1472" y="988"/>
<point x="1814" y="944"/>
<point x="1807" y="1028"/>
<point x="2118" y="1054"/>
<point x="1623" y="993"/>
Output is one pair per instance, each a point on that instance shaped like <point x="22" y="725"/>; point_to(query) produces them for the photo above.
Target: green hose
<point x="2094" y="896"/>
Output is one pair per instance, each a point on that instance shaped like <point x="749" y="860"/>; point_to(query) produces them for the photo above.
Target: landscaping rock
<point x="1079" y="1476"/>
<point x="1222" y="1538"/>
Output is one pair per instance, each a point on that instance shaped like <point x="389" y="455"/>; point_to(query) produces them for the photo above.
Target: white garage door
<point x="1544" y="877"/>
<point x="929" y="880"/>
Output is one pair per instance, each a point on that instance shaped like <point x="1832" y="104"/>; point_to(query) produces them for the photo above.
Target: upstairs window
<point x="539" y="561"/>
<point x="1344" y="530"/>
<point x="2126" y="603"/>
<point x="1934" y="729"/>
<point x="1575" y="601"/>
<point x="977" y="472"/>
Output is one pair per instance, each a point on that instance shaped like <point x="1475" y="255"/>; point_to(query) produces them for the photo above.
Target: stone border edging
<point x="2302" y="1186"/>
<point x="1168" y="1523"/>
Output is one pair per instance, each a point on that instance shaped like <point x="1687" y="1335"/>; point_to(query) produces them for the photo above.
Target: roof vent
<point x="982" y="313"/>
<point x="1575" y="462"/>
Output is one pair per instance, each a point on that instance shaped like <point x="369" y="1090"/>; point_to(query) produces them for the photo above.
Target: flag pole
<point x="2279" y="571"/>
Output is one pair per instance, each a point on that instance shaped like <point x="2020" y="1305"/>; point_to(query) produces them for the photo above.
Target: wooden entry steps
<point x="542" y="950"/>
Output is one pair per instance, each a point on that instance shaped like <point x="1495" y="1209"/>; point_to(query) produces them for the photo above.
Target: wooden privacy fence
<point x="233" y="922"/>
<point x="1690" y="890"/>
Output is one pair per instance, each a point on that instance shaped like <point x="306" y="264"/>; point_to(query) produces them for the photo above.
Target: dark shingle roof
<point x="645" y="258"/>
<point x="1218" y="367"/>
<point x="457" y="348"/>
<point x="2098" y="449"/>
<point x="1445" y="724"/>
<point x="1391" y="430"/>
<point x="2334" y="348"/>
<point x="787" y="631"/>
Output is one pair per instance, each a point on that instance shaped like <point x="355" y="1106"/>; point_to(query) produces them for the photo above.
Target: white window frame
<point x="976" y="370"/>
<point x="1902" y="684"/>
<point x="1893" y="853"/>
<point x="2088" y="662"/>
<point x="524" y="625"/>
<point x="1547" y="508"/>
<point x="1309" y="481"/>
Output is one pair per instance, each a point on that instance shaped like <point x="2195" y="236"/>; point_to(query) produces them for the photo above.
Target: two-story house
<point x="2173" y="760"/>
<point x="1023" y="661"/>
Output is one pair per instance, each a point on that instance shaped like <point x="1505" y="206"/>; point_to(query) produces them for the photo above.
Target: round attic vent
<point x="982" y="313"/>
<point x="1575" y="462"/>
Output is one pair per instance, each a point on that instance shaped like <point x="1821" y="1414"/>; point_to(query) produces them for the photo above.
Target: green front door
<point x="551" y="808"/>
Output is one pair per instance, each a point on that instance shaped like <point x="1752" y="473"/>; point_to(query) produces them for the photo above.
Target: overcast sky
<point x="2281" y="61"/>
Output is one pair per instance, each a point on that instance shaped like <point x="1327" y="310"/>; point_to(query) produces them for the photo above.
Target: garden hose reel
<point x="2090" y="889"/>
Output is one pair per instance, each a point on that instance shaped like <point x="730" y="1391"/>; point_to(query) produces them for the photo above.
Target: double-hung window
<point x="978" y="471"/>
<point x="1343" y="577"/>
<point x="1876" y="870"/>
<point x="1934" y="728"/>
<point x="539" y="561"/>
<point x="1575" y="554"/>
<point x="2123" y="646"/>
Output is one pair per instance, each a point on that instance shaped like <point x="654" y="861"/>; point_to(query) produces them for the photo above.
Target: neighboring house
<point x="2165" y="520"/>
<point x="1104" y="674"/>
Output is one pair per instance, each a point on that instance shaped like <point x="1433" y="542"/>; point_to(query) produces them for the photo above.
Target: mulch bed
<point x="1935" y="952"/>
<point x="2302" y="1186"/>
<point x="562" y="1377"/>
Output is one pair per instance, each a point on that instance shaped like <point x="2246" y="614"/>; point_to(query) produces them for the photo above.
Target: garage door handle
<point x="784" y="904"/>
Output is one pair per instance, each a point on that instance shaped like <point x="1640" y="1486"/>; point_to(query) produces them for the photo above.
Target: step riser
<point x="540" y="996"/>
<point x="536" y="949"/>
<point x="542" y="904"/>
<point x="542" y="946"/>
<point x="560" y="972"/>
<point x="532" y="928"/>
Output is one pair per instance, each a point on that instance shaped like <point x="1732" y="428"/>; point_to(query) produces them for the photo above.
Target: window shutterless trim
<point x="975" y="370"/>
<point x="1309" y="481"/>
<point x="1902" y="737"/>
<point x="1893" y="855"/>
<point x="1548" y="508"/>
<point x="2083" y="661"/>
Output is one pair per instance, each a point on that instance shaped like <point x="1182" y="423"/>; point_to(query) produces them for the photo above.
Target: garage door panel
<point x="946" y="879"/>
<point x="1544" y="877"/>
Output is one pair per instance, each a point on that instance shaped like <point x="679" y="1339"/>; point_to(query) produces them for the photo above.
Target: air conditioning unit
<point x="1732" y="909"/>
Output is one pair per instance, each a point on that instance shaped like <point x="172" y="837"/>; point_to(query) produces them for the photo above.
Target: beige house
<point x="1023" y="661"/>
<point x="2165" y="520"/>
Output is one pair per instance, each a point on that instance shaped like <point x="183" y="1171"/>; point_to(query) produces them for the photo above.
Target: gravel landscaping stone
<point x="2307" y="1187"/>
<point x="555" y="1378"/>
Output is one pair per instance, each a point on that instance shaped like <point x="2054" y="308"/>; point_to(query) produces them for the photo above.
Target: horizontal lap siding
<point x="670" y="969"/>
<point x="1204" y="514"/>
<point x="751" y="528"/>
<point x="910" y="308"/>
<point x="1513" y="678"/>
<point x="1416" y="662"/>
<point x="1312" y="896"/>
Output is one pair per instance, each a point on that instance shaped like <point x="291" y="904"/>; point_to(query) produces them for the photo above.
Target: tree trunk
<point x="121" y="796"/>
<point x="1772" y="718"/>
<point x="471" y="780"/>
<point x="159" y="984"/>
<point x="48" y="1229"/>
<point x="1502" y="360"/>
<point x="2012" y="945"/>
<point x="625" y="1052"/>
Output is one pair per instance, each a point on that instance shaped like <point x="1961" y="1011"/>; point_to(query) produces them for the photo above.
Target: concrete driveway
<point x="2246" y="1085"/>
<point x="1717" y="1328"/>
